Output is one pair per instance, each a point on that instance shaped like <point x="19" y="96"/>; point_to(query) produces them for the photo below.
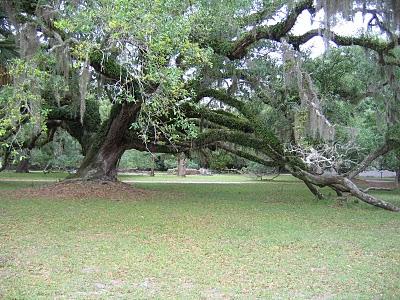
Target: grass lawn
<point x="160" y="177"/>
<point x="221" y="178"/>
<point x="248" y="241"/>
<point x="36" y="175"/>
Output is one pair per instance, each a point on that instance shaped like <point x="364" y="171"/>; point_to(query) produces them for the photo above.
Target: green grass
<point x="199" y="242"/>
<point x="36" y="176"/>
<point x="190" y="178"/>
<point x="160" y="177"/>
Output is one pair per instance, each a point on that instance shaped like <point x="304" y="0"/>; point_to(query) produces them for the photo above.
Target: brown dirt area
<point x="78" y="190"/>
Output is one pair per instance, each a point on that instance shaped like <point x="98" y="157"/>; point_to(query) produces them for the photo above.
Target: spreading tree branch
<point x="229" y="147"/>
<point x="239" y="48"/>
<point x="221" y="118"/>
<point x="382" y="150"/>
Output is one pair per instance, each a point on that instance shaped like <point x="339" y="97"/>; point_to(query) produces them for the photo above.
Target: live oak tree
<point x="84" y="56"/>
<point x="183" y="75"/>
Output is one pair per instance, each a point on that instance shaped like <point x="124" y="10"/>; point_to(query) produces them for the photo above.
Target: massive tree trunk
<point x="103" y="164"/>
<point x="108" y="145"/>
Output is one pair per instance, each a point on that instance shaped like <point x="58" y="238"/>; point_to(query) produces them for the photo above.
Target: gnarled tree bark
<point x="344" y="184"/>
<point x="108" y="145"/>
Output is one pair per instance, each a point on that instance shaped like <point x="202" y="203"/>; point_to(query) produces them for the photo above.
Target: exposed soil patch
<point x="81" y="190"/>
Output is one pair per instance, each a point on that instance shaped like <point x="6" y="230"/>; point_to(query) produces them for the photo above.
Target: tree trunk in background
<point x="5" y="159"/>
<point x="103" y="157"/>
<point x="397" y="179"/>
<point x="182" y="164"/>
<point x="152" y="165"/>
<point x="23" y="165"/>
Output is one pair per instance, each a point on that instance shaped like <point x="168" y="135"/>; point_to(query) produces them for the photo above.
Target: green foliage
<point x="142" y="160"/>
<point x="394" y="133"/>
<point x="345" y="72"/>
<point x="391" y="161"/>
<point x="358" y="96"/>
<point x="146" y="51"/>
<point x="63" y="153"/>
<point x="143" y="40"/>
<point x="21" y="103"/>
<point x="8" y="50"/>
<point x="133" y="159"/>
<point x="221" y="160"/>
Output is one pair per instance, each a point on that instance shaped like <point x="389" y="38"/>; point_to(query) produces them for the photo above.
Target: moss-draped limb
<point x="372" y="43"/>
<point x="110" y="68"/>
<point x="239" y="48"/>
<point x="219" y="117"/>
<point x="231" y="122"/>
<point x="297" y="40"/>
<point x="247" y="154"/>
<point x="214" y="136"/>
<point x="273" y="145"/>
<point x="261" y="159"/>
<point x="107" y="66"/>
<point x="223" y="97"/>
<point x="378" y="45"/>
<point x="132" y="140"/>
<point x="274" y="32"/>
